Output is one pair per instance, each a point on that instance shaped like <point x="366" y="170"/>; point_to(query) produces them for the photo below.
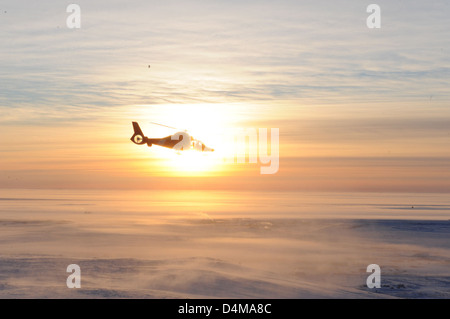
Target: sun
<point x="191" y="163"/>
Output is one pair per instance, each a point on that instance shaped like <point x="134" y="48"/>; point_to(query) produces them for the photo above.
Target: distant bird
<point x="149" y="66"/>
<point x="412" y="206"/>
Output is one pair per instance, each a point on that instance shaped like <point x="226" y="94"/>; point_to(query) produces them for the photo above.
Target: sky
<point x="357" y="109"/>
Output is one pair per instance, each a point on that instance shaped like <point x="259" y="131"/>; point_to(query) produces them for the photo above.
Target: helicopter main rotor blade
<point x="164" y="125"/>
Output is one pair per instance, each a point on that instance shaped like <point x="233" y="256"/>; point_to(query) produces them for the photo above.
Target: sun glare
<point x="190" y="163"/>
<point x="208" y="123"/>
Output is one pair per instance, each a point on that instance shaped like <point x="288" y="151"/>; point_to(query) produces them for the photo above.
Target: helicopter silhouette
<point x="180" y="141"/>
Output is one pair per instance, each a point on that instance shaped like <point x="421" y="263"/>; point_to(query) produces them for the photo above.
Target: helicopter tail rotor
<point x="138" y="137"/>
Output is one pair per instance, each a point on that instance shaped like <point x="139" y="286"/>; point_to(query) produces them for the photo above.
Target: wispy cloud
<point x="221" y="52"/>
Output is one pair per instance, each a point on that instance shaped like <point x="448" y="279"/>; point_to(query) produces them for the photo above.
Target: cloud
<point x="220" y="52"/>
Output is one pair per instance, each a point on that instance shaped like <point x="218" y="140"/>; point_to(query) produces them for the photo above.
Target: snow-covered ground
<point x="149" y="246"/>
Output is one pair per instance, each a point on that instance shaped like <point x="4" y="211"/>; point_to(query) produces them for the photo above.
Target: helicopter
<point x="180" y="141"/>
